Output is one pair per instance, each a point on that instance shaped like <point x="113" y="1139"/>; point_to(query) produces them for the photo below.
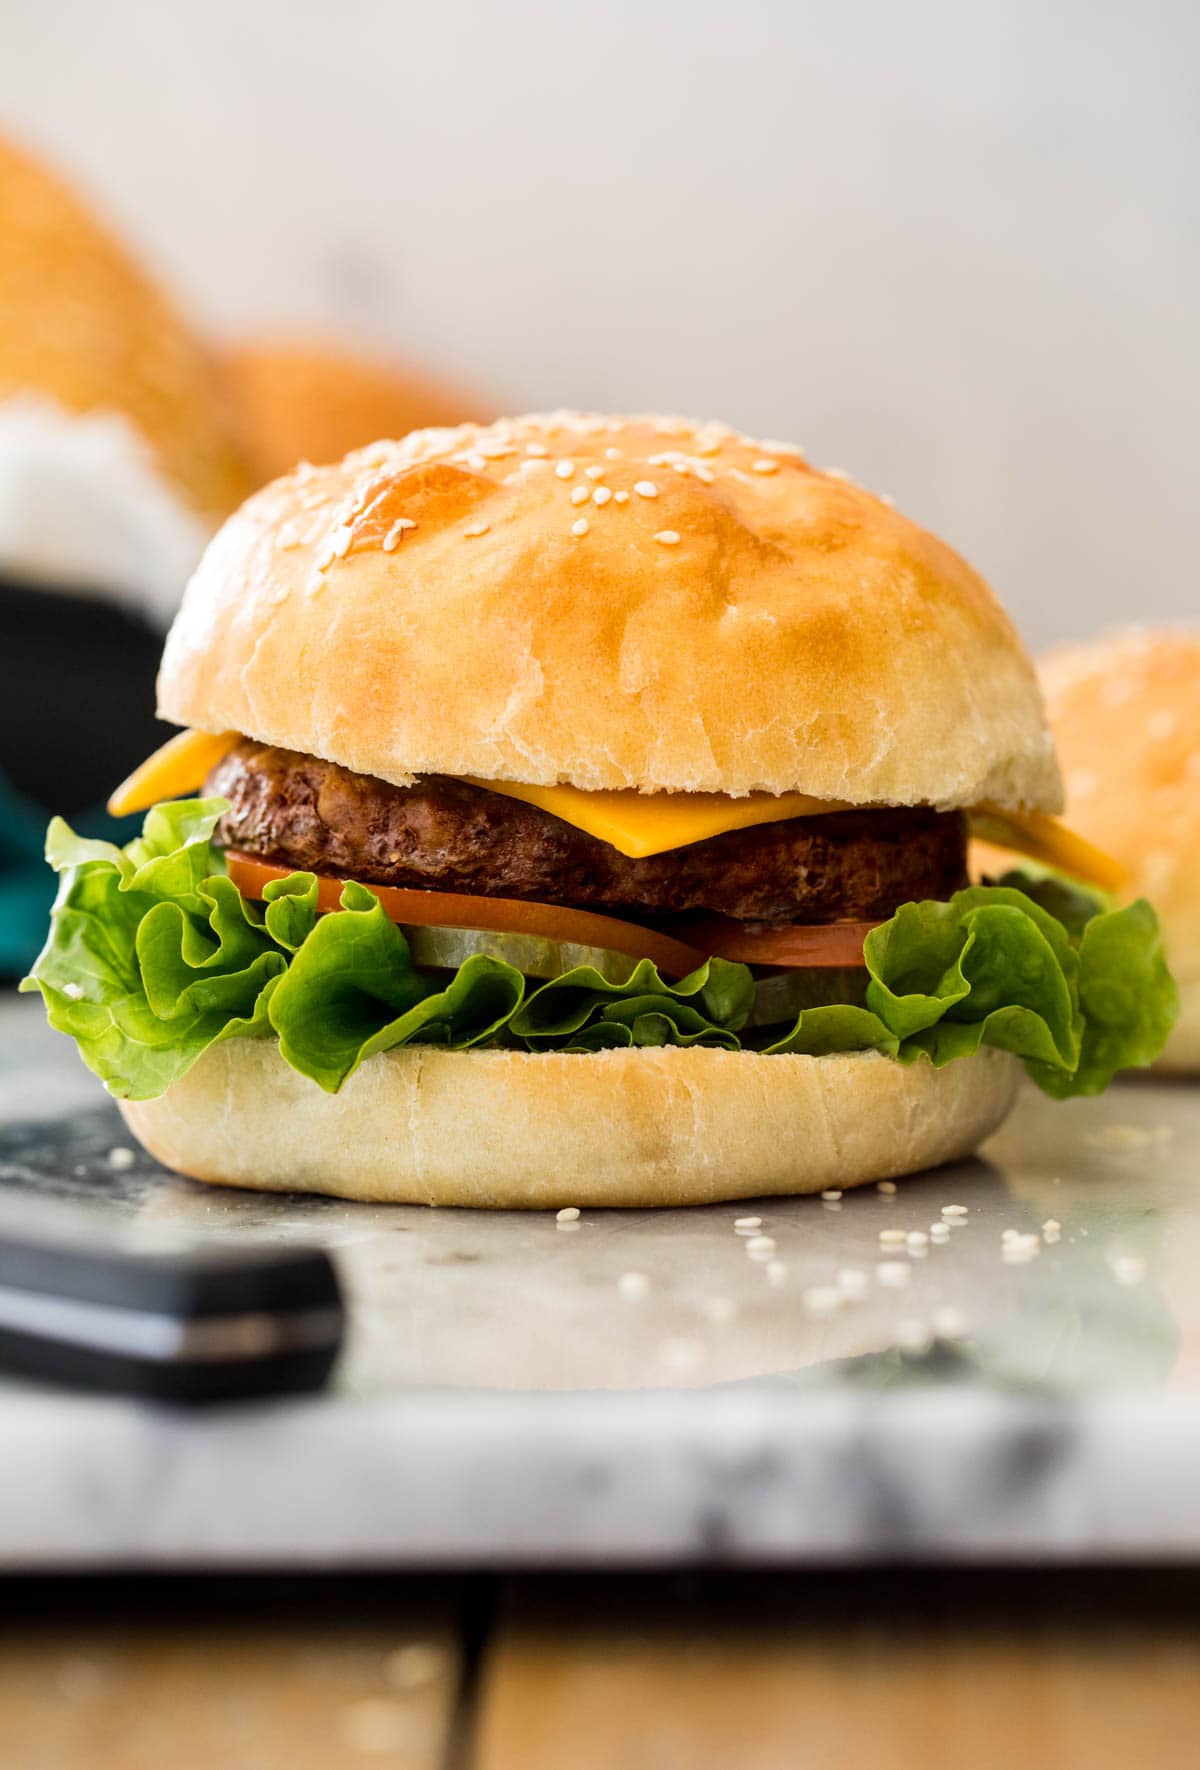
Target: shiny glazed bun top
<point x="611" y="602"/>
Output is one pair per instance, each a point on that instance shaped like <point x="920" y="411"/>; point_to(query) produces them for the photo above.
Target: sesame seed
<point x="1051" y="1229"/>
<point x="703" y="473"/>
<point x="822" y="1299"/>
<point x="887" y="1187"/>
<point x="949" y="1323"/>
<point x="601" y="495"/>
<point x="894" y="1238"/>
<point x="646" y="488"/>
<point x="478" y="528"/>
<point x="954" y="1212"/>
<point x="580" y="526"/>
<point x="536" y="448"/>
<point x="392" y="539"/>
<point x="1128" y="1269"/>
<point x="668" y="537"/>
<point x="681" y="467"/>
<point x="568" y="1214"/>
<point x="894" y="1274"/>
<point x="831" y="1192"/>
<point x="120" y="1158"/>
<point x="836" y="473"/>
<point x="580" y="495"/>
<point x="611" y="454"/>
<point x="939" y="1232"/>
<point x="595" y="471"/>
<point x="719" y="1309"/>
<point x="747" y="1222"/>
<point x="633" y="1284"/>
<point x="760" y="1247"/>
<point x="766" y="465"/>
<point x="565" y="469"/>
<point x="620" y="497"/>
<point x="917" y="1238"/>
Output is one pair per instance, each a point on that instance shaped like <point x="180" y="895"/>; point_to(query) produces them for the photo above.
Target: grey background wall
<point x="954" y="248"/>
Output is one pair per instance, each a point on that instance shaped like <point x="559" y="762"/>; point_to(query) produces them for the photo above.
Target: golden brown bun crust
<point x="81" y="324"/>
<point x="1126" y="714"/>
<point x="306" y="400"/>
<point x="753" y="624"/>
<point x="520" y="1130"/>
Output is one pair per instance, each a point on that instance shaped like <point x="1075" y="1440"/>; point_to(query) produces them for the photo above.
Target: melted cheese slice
<point x="641" y="824"/>
<point x="1044" y="838"/>
<point x="176" y="769"/>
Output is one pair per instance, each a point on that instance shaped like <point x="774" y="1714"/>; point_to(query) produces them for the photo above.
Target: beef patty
<point x="442" y="834"/>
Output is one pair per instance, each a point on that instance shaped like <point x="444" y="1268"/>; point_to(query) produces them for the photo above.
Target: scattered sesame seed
<point x="392" y="539"/>
<point x="703" y="473"/>
<point x="917" y="1238"/>
<point x="611" y="454"/>
<point x="580" y="526"/>
<point x="646" y="488"/>
<point x="822" y="1299"/>
<point x="954" y="1213"/>
<point x="668" y="537"/>
<point x="776" y="1272"/>
<point x="595" y="471"/>
<point x="747" y="1222"/>
<point x="766" y="465"/>
<point x="478" y="528"/>
<point x="912" y="1336"/>
<point x="1051" y="1229"/>
<point x="852" y="1281"/>
<point x="565" y="469"/>
<point x="568" y="1214"/>
<point x="894" y="1274"/>
<point x="760" y="1247"/>
<point x="887" y="1187"/>
<point x="680" y="1354"/>
<point x="949" y="1323"/>
<point x="1010" y="1235"/>
<point x="580" y="495"/>
<point x="601" y="495"/>
<point x="831" y="1192"/>
<point x="620" y="497"/>
<point x="74" y="990"/>
<point x="1128" y="1269"/>
<point x="893" y="1238"/>
<point x="939" y="1232"/>
<point x="719" y="1309"/>
<point x="633" y="1284"/>
<point x="1118" y="1137"/>
<point x="1021" y="1249"/>
<point x="836" y="473"/>
<point x="121" y="1158"/>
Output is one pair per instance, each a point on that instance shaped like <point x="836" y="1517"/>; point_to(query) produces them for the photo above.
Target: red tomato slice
<point x="799" y="946"/>
<point x="506" y="915"/>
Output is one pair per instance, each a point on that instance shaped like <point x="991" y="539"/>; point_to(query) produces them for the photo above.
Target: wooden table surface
<point x="1060" y="1668"/>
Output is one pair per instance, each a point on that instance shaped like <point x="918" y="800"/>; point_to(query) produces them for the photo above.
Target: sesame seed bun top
<point x="81" y="325"/>
<point x="611" y="602"/>
<point x="1125" y="711"/>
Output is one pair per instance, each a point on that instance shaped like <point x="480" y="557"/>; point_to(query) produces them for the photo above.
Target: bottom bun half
<point x="515" y="1130"/>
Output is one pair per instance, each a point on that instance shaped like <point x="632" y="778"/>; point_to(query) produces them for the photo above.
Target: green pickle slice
<point x="445" y="949"/>
<point x="781" y="996"/>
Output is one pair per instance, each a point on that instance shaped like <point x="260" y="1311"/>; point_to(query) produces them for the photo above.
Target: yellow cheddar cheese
<point x="641" y="824"/>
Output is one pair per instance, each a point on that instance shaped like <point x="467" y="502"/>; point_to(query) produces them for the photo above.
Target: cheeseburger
<point x="583" y="815"/>
<point x="1125" y="711"/>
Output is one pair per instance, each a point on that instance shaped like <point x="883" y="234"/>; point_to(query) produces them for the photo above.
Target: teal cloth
<point x="27" y="885"/>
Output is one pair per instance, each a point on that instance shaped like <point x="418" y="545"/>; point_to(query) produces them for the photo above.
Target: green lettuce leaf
<point x="154" y="955"/>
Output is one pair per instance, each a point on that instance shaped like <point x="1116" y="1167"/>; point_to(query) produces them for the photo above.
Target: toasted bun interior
<point x="1126" y="715"/>
<point x="614" y="603"/>
<point x="517" y="1130"/>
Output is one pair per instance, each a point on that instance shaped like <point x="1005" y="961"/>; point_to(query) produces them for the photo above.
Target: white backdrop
<point x="953" y="247"/>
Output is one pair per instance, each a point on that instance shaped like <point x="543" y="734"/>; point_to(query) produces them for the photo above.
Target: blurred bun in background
<point x="314" y="400"/>
<point x="118" y="458"/>
<point x="1125" y="711"/>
